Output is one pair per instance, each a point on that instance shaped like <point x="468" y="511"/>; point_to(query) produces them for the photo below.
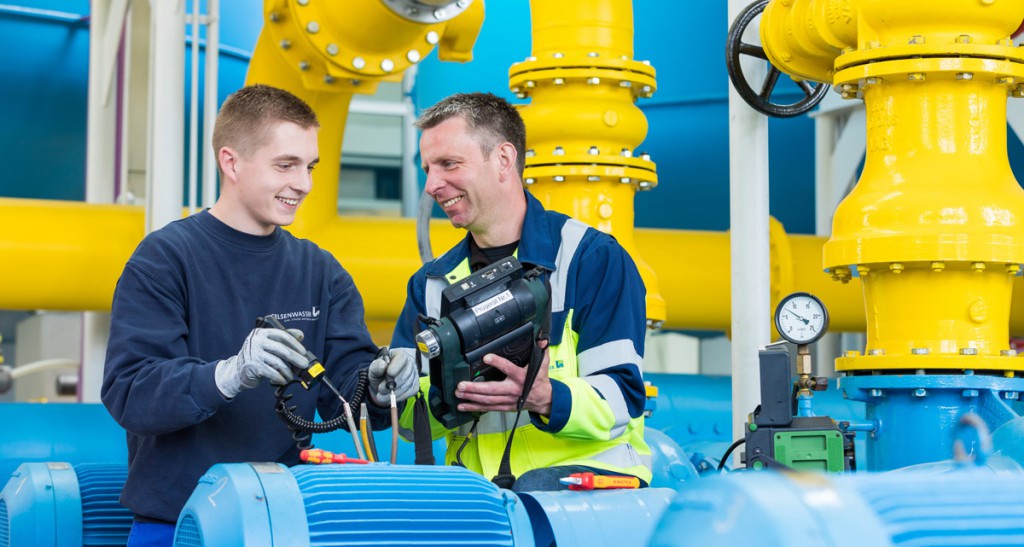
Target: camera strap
<point x="421" y="436"/>
<point x="505" y="479"/>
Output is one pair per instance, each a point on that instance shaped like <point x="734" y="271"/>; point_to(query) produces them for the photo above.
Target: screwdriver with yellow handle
<point x="590" y="481"/>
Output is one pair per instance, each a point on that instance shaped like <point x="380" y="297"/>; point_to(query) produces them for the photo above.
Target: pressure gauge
<point x="801" y="318"/>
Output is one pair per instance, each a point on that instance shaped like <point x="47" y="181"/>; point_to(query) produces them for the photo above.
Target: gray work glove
<point x="267" y="353"/>
<point x="401" y="370"/>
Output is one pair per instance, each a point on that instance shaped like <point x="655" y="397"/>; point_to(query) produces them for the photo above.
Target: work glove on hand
<point x="267" y="353"/>
<point x="401" y="370"/>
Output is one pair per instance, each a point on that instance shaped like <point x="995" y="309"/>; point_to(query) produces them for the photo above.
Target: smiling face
<point x="263" y="189"/>
<point x="471" y="188"/>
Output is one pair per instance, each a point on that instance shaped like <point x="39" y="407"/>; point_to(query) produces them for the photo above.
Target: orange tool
<point x="316" y="455"/>
<point x="590" y="481"/>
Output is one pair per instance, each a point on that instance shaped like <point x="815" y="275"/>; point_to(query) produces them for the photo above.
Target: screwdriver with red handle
<point x="316" y="455"/>
<point x="590" y="481"/>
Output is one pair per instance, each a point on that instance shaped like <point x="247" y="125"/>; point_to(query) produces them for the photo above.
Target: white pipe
<point x="166" y="142"/>
<point x="410" y="145"/>
<point x="748" y="227"/>
<point x="101" y="112"/>
<point x="102" y="169"/>
<point x="95" y="335"/>
<point x="40" y="366"/>
<point x="825" y="131"/>
<point x="210" y="103"/>
<point x="193" y="114"/>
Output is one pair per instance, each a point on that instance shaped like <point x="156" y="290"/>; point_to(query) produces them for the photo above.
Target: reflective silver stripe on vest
<point x="609" y="354"/>
<point x="623" y="456"/>
<point x="613" y="396"/>
<point x="572" y="233"/>
<point x="432" y="297"/>
<point x="494" y="422"/>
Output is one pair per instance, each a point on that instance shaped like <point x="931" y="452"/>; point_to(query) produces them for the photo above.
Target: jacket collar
<point x="535" y="244"/>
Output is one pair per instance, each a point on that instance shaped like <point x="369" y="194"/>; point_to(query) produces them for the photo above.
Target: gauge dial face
<point x="801" y="318"/>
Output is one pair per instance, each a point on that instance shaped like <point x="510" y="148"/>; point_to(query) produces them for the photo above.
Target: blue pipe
<point x="612" y="517"/>
<point x="917" y="415"/>
<point x="960" y="507"/>
<point x="43" y="14"/>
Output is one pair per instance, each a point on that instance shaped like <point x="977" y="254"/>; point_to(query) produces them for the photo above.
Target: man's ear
<point x="506" y="155"/>
<point x="227" y="158"/>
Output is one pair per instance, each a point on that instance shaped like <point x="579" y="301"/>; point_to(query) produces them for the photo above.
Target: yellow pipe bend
<point x="325" y="55"/>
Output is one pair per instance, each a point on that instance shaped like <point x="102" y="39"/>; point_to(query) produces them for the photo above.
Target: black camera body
<point x="500" y="310"/>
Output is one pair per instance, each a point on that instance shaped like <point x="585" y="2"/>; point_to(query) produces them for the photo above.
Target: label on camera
<point x="491" y="303"/>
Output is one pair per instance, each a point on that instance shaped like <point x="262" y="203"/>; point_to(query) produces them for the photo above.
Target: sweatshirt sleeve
<point x="151" y="385"/>
<point x="610" y="319"/>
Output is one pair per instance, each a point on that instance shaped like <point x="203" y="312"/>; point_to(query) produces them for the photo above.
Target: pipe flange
<point x="639" y="176"/>
<point x="319" y="46"/>
<point x="638" y="76"/>
<point x="427" y="11"/>
<point x="999" y="71"/>
<point x="878" y="53"/>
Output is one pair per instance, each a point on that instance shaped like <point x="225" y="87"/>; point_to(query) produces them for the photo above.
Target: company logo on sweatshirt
<point x="301" y="315"/>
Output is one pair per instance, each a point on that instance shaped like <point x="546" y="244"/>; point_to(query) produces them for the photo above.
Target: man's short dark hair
<point x="492" y="118"/>
<point x="248" y="114"/>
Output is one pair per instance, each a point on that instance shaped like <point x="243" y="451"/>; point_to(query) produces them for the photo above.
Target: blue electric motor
<point x="58" y="504"/>
<point x="309" y="505"/>
<point x="381" y="504"/>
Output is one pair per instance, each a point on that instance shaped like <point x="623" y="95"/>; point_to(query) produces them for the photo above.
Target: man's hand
<point x="502" y="396"/>
<point x="267" y="353"/>
<point x="399" y="369"/>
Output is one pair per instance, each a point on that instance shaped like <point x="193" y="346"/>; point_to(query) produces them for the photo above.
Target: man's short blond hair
<point x="249" y="113"/>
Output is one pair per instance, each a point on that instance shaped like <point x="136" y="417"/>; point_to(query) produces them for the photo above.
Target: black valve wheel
<point x="761" y="100"/>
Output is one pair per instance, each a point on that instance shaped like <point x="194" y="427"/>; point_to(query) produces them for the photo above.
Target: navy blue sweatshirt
<point x="187" y="299"/>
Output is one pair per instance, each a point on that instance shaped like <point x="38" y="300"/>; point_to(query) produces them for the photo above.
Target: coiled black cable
<point x="301" y="428"/>
<point x="359" y="394"/>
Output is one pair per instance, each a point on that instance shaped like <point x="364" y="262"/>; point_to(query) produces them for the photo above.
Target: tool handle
<point x="269" y="322"/>
<point x="590" y="481"/>
<point x="318" y="456"/>
<point x="307" y="376"/>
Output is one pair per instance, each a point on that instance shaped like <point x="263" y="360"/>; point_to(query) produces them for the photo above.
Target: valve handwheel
<point x="761" y="100"/>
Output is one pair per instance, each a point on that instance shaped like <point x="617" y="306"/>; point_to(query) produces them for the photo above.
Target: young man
<point x="586" y="405"/>
<point x="185" y="367"/>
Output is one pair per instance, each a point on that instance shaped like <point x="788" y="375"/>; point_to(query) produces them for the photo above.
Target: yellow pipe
<point x="68" y="256"/>
<point x="583" y="123"/>
<point x="62" y="255"/>
<point x="934" y="226"/>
